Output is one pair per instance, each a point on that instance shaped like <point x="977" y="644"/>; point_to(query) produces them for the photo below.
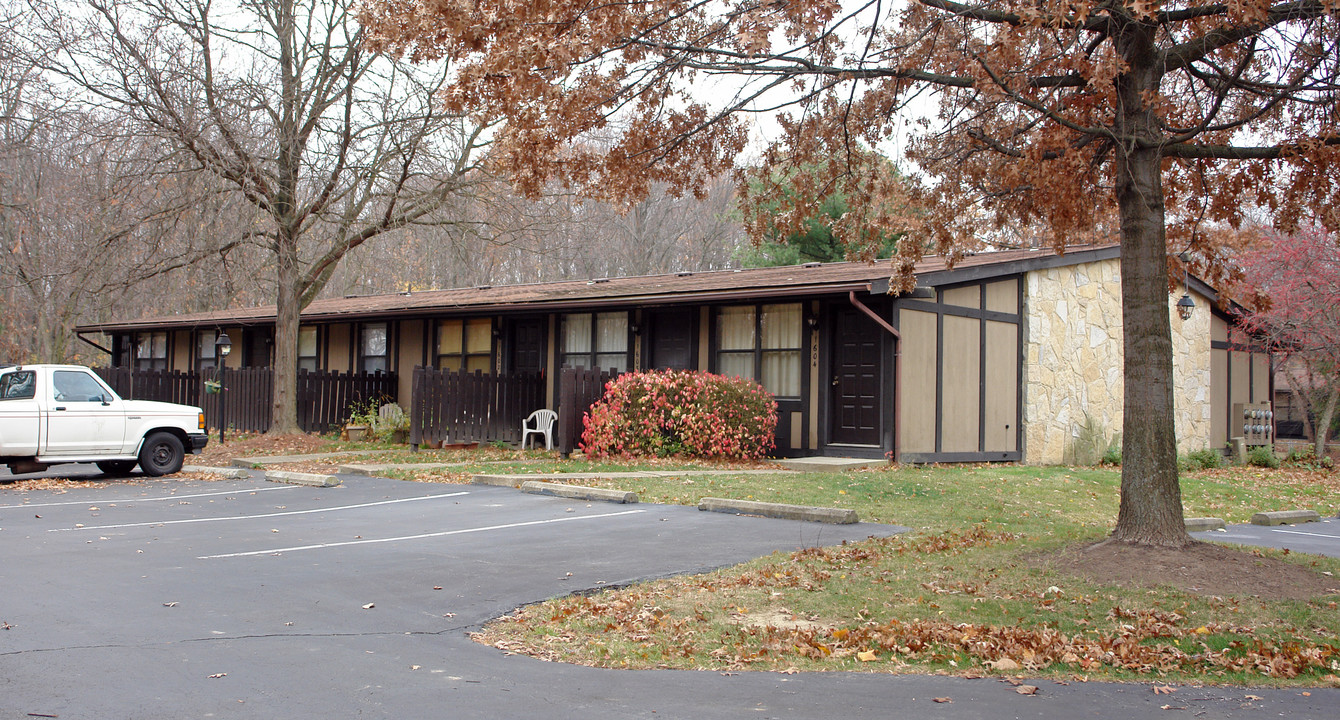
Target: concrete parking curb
<point x="834" y="516"/>
<point x="1204" y="523"/>
<point x="511" y="481"/>
<point x="1285" y="517"/>
<point x="226" y="472"/>
<point x="577" y="492"/>
<point x="298" y="478"/>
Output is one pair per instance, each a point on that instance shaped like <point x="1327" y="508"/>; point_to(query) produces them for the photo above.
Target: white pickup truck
<point x="53" y="414"/>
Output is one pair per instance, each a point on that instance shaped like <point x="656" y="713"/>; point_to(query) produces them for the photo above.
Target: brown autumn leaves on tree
<point x="1160" y="122"/>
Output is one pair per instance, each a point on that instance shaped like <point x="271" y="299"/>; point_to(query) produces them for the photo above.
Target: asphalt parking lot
<point x="175" y="598"/>
<point x="1318" y="538"/>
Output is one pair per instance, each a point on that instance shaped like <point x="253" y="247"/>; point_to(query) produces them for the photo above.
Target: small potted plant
<point x="362" y="420"/>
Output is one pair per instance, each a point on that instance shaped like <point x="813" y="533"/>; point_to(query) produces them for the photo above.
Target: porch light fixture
<point x="223" y="345"/>
<point x="1185" y="307"/>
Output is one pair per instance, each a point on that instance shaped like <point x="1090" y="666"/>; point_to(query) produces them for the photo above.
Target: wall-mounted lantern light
<point x="1185" y="307"/>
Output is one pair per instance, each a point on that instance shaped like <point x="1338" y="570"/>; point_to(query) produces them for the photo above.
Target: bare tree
<point x="332" y="145"/>
<point x="88" y="211"/>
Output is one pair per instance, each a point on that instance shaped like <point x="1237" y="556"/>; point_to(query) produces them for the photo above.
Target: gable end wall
<point x="1073" y="364"/>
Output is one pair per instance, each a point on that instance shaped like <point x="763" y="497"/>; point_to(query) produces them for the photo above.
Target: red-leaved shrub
<point x="681" y="412"/>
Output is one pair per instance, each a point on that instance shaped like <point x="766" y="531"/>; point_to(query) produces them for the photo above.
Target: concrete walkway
<point x="264" y="460"/>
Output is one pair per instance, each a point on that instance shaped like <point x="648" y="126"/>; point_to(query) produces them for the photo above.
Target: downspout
<point x="897" y="353"/>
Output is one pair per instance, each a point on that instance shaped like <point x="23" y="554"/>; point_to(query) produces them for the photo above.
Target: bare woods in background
<point x="138" y="179"/>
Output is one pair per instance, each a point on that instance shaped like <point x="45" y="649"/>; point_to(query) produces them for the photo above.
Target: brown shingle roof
<point x="719" y="285"/>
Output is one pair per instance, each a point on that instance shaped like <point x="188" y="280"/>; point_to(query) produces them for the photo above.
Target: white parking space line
<point x="276" y="551"/>
<point x="1300" y="532"/>
<point x="160" y="523"/>
<point x="105" y="501"/>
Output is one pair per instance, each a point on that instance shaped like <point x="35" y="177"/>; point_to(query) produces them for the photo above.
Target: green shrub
<point x="1112" y="456"/>
<point x="668" y="412"/>
<point x="1205" y="459"/>
<point x="1304" y="457"/>
<point x="1263" y="456"/>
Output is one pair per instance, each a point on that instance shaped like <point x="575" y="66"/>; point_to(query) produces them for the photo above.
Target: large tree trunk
<point x="1324" y="421"/>
<point x="1151" y="499"/>
<point x="284" y="414"/>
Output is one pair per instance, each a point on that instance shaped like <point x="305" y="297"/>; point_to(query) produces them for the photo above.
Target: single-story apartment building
<point x="1006" y="356"/>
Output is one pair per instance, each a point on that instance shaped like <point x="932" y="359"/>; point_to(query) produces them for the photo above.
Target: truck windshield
<point x="18" y="385"/>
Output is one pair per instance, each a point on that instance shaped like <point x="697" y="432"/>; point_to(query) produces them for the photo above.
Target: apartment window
<point x="598" y="340"/>
<point x="151" y="351"/>
<point x="762" y="342"/>
<point x="373" y="348"/>
<point x="465" y="344"/>
<point x="204" y="353"/>
<point x="307" y="347"/>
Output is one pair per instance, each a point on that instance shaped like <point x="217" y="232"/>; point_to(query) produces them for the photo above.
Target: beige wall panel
<point x="1241" y="386"/>
<point x="967" y="296"/>
<point x="182" y="354"/>
<point x="1218" y="397"/>
<point x="1003" y="296"/>
<point x="961" y="387"/>
<point x="1260" y="377"/>
<point x="410" y="354"/>
<point x="235" y="355"/>
<point x="1218" y="329"/>
<point x="797" y="440"/>
<point x="1002" y="387"/>
<point x="338" y="347"/>
<point x="916" y="427"/>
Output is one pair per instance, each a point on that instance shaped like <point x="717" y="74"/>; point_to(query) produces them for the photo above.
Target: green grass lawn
<point x="963" y="593"/>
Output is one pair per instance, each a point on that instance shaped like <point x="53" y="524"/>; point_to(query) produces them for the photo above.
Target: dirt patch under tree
<point x="1202" y="568"/>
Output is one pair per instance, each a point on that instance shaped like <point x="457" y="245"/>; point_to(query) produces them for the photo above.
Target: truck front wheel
<point x="161" y="454"/>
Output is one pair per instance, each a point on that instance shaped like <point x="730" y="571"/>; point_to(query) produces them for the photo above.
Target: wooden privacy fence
<point x="173" y="386"/>
<point x="245" y="403"/>
<point x="578" y="390"/>
<point x="324" y="398"/>
<point x="461" y="406"/>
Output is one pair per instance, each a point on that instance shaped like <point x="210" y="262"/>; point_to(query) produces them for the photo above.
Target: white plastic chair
<point x="544" y="425"/>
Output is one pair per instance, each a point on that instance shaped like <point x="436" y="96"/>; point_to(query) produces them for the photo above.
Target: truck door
<point x="19" y="418"/>
<point x="83" y="416"/>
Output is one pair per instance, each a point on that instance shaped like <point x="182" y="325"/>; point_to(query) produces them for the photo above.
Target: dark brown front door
<point x="527" y="345"/>
<point x="856" y="387"/>
<point x="671" y="339"/>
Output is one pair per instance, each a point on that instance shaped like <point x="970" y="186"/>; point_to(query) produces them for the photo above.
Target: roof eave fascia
<point x="511" y="308"/>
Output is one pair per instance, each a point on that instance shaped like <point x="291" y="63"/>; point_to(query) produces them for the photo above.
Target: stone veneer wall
<point x="1073" y="362"/>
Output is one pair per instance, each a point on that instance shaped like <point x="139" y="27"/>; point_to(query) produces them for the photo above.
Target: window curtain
<point x="781" y="342"/>
<point x="307" y="349"/>
<point x="735" y="341"/>
<point x="577" y="334"/>
<point x="612" y="340"/>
